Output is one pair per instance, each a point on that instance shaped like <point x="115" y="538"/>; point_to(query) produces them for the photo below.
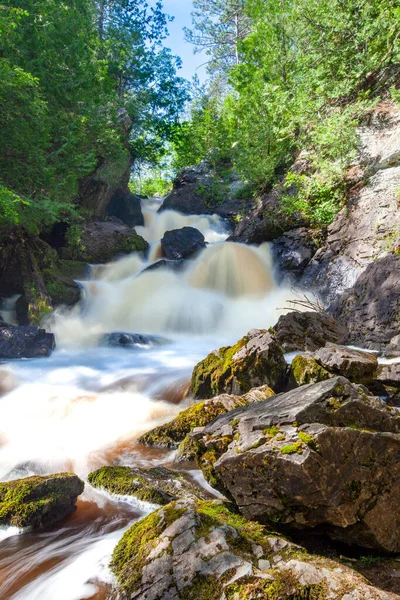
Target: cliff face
<point x="368" y="227"/>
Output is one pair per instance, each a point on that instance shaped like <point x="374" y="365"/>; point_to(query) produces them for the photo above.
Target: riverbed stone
<point x="323" y="455"/>
<point x="25" y="342"/>
<point x="37" y="501"/>
<point x="356" y="365"/>
<point x="183" y="243"/>
<point x="308" y="331"/>
<point x="157" y="485"/>
<point x="390" y="374"/>
<point x="257" y="359"/>
<point x="191" y="550"/>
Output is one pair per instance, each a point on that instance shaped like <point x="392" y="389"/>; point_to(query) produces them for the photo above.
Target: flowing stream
<point x="86" y="405"/>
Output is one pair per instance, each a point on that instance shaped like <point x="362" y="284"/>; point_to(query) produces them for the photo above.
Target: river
<point x="86" y="405"/>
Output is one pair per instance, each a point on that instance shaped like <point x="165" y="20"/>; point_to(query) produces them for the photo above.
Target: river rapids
<point x="86" y="405"/>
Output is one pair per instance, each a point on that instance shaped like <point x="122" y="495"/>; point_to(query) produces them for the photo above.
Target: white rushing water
<point x="86" y="405"/>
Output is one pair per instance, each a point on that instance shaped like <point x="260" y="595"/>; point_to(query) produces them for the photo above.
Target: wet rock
<point x="323" y="455"/>
<point x="102" y="241"/>
<point x="199" y="191"/>
<point x="305" y="369"/>
<point x="257" y="359"/>
<point x="157" y="485"/>
<point x="171" y="265"/>
<point x="390" y="374"/>
<point x="308" y="331"/>
<point x="38" y="501"/>
<point x="127" y="207"/>
<point x="293" y="251"/>
<point x="182" y="243"/>
<point x="356" y="365"/>
<point x="370" y="309"/>
<point x="25" y="342"/>
<point x="191" y="550"/>
<point x="132" y="340"/>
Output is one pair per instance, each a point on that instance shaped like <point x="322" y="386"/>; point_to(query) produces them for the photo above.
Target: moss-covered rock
<point x="100" y="241"/>
<point x="200" y="414"/>
<point x="157" y="485"/>
<point x="38" y="501"/>
<point x="255" y="360"/>
<point x="62" y="290"/>
<point x="191" y="550"/>
<point x="305" y="369"/>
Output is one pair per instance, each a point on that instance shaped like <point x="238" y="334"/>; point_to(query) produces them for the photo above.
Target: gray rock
<point x="204" y="551"/>
<point x="358" y="366"/>
<point x="127" y="207"/>
<point x="307" y="331"/>
<point x="323" y="455"/>
<point x="293" y="251"/>
<point x="390" y="374"/>
<point x="370" y="310"/>
<point x="182" y="243"/>
<point x="132" y="340"/>
<point x="393" y="348"/>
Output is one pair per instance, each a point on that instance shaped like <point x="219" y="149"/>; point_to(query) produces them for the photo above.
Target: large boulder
<point x="182" y="243"/>
<point x="25" y="342"/>
<point x="356" y="365"/>
<point x="127" y="207"/>
<point x="191" y="550"/>
<point x="368" y="226"/>
<point x="390" y="374"/>
<point x="371" y="308"/>
<point x="257" y="359"/>
<point x="157" y="485"/>
<point x="38" y="501"/>
<point x="322" y="456"/>
<point x="175" y="434"/>
<point x="199" y="190"/>
<point x="110" y="175"/>
<point x="100" y="241"/>
<point x="307" y="331"/>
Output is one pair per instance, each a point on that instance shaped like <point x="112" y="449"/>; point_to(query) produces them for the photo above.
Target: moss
<point x="130" y="554"/>
<point x="173" y="433"/>
<point x="271" y="431"/>
<point x="36" y="501"/>
<point x="285" y="587"/>
<point x="156" y="485"/>
<point x="187" y="449"/>
<point x="292" y="448"/>
<point x="305" y="369"/>
<point x="308" y="439"/>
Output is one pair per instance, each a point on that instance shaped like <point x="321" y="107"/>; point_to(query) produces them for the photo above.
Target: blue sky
<point x="181" y="9"/>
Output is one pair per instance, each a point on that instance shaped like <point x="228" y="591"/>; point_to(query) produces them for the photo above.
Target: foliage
<point x="154" y="184"/>
<point x="67" y="68"/>
<point x="306" y="73"/>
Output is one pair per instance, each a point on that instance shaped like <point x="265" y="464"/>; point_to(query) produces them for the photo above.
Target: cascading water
<point x="85" y="406"/>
